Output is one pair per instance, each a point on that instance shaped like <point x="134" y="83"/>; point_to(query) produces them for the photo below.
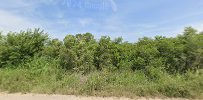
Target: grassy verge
<point x="42" y="76"/>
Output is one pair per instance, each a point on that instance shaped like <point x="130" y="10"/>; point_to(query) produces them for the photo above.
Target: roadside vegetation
<point x="31" y="62"/>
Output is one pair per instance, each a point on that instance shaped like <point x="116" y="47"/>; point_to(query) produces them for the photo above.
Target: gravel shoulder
<point x="4" y="96"/>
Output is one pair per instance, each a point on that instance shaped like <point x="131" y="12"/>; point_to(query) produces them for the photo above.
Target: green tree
<point x="103" y="56"/>
<point x="85" y="49"/>
<point x="19" y="47"/>
<point x="143" y="54"/>
<point x="53" y="48"/>
<point x="78" y="52"/>
<point x="67" y="55"/>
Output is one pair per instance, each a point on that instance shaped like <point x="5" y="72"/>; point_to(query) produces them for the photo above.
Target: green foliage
<point x="18" y="47"/>
<point x="175" y="55"/>
<point x="53" y="48"/>
<point x="145" y="52"/>
<point x="78" y="52"/>
<point x="82" y="53"/>
<point x="103" y="54"/>
<point x="80" y="64"/>
<point x="42" y="75"/>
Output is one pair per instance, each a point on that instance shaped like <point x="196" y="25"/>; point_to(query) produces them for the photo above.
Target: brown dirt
<point x="5" y="96"/>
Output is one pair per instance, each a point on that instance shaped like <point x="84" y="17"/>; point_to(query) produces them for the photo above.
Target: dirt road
<point x="63" y="97"/>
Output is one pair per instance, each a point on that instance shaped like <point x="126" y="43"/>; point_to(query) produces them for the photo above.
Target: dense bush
<point x="80" y="64"/>
<point x="43" y="76"/>
<point x="78" y="52"/>
<point x="82" y="53"/>
<point x="18" y="47"/>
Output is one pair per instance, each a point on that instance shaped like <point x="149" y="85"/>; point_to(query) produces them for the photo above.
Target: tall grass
<point x="44" y="76"/>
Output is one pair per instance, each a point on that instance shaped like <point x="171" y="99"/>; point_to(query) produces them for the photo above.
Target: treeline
<point x="83" y="53"/>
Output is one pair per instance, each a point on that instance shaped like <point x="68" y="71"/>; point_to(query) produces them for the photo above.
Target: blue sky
<point x="131" y="19"/>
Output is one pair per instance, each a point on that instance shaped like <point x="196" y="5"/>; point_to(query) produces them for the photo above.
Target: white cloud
<point x="85" y="21"/>
<point x="11" y="18"/>
<point x="199" y="27"/>
<point x="113" y="5"/>
<point x="12" y="22"/>
<point x="63" y="22"/>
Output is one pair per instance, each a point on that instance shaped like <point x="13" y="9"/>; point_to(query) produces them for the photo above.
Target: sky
<point x="130" y="19"/>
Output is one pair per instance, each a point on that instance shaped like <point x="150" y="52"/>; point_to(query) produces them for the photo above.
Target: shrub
<point x="19" y="47"/>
